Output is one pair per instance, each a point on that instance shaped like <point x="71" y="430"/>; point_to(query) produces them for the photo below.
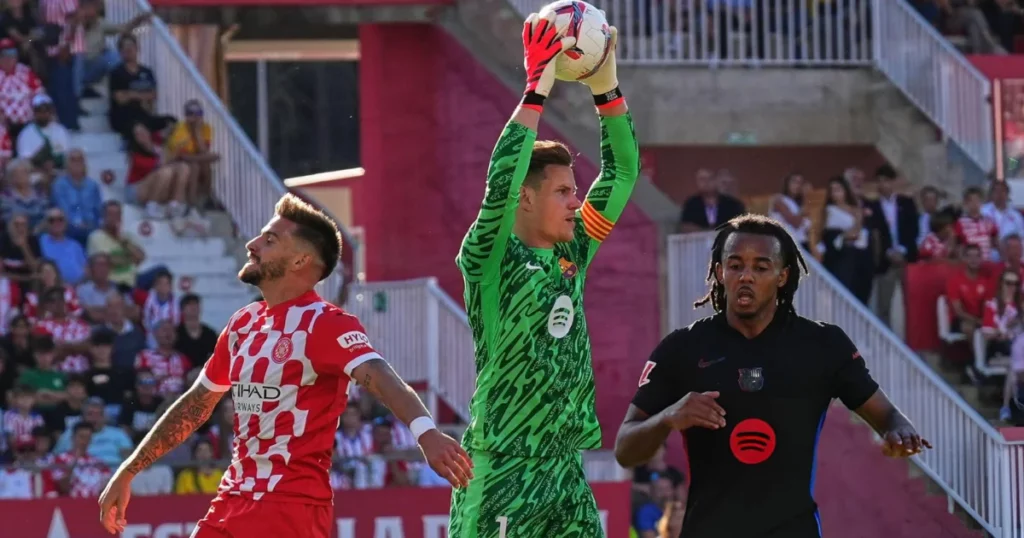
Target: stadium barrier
<point x="977" y="467"/>
<point x="391" y="512"/>
<point x="245" y="184"/>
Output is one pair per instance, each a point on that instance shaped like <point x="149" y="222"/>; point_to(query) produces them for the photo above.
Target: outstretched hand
<point x="541" y="45"/>
<point x="606" y="78"/>
<point x="447" y="458"/>
<point x="903" y="442"/>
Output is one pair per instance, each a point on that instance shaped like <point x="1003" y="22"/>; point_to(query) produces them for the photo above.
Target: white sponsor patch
<point x="249" y="397"/>
<point x="353" y="338"/>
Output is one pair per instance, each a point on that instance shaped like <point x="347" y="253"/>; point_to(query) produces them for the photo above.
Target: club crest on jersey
<point x="282" y="350"/>
<point x="352" y="339"/>
<point x="751" y="379"/>
<point x="569" y="269"/>
<point x="561" y="317"/>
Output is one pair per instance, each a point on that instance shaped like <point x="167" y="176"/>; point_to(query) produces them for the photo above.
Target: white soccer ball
<point x="593" y="38"/>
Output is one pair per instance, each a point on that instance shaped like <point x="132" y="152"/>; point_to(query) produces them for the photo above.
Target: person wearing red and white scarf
<point x="168" y="366"/>
<point x="18" y="85"/>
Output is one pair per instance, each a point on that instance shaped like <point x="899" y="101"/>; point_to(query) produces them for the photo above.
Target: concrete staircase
<point x="205" y="266"/>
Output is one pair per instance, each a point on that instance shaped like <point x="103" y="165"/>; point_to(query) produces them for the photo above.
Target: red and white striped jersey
<point x="168" y="368"/>
<point x="17" y="89"/>
<point x="88" y="476"/>
<point x="10" y="299"/>
<point x="71" y="304"/>
<point x="154" y="311"/>
<point x="932" y="247"/>
<point x="20" y="426"/>
<point x="358" y="445"/>
<point x="56" y="12"/>
<point x="981" y="231"/>
<point x="70" y="330"/>
<point x="290" y="385"/>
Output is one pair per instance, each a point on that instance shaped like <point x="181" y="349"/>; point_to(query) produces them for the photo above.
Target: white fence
<point x="245" y="184"/>
<point x="976" y="466"/>
<point x="423" y="333"/>
<point x="729" y="32"/>
<point x="933" y="74"/>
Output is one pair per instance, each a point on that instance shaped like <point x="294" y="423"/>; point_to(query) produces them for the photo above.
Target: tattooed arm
<point x="443" y="454"/>
<point x="182" y="418"/>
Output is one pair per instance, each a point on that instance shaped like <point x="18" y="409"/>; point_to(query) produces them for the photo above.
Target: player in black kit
<point x="749" y="388"/>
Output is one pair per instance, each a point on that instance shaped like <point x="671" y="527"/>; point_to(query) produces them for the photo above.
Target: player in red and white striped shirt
<point x="288" y="361"/>
<point x="973" y="228"/>
<point x="19" y="421"/>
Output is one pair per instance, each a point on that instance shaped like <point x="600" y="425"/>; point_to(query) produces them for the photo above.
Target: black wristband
<point x="533" y="98"/>
<point x="608" y="97"/>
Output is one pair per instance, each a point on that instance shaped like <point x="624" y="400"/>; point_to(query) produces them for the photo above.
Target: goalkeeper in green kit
<point x="524" y="262"/>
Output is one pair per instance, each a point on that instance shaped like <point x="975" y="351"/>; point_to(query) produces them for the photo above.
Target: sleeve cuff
<point x="365" y="357"/>
<point x="210" y="385"/>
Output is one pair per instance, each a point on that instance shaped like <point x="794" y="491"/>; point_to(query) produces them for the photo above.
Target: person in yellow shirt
<point x="191" y="142"/>
<point x="204" y="477"/>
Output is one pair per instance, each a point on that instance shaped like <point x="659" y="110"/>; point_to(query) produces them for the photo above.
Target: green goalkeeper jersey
<point x="535" y="382"/>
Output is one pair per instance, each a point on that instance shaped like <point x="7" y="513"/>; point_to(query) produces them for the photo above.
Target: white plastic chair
<point x="945" y="333"/>
<point x="996" y="366"/>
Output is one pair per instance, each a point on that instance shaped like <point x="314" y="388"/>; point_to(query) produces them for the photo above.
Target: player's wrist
<point x="420" y="426"/>
<point x="608" y="98"/>
<point x="533" y="101"/>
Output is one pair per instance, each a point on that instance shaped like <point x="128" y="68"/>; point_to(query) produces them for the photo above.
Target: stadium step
<point x="97" y="143"/>
<point x="96" y="106"/>
<point x="94" y="123"/>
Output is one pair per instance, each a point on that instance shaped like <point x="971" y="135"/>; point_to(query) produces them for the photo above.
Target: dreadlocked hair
<point x="758" y="225"/>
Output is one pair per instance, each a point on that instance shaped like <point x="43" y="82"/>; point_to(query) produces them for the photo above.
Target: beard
<point x="256" y="273"/>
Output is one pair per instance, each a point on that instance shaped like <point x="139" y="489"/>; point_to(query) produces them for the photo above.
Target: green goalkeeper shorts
<point x="515" y="497"/>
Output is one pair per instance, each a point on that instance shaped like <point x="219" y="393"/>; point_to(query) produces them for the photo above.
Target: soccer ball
<point x="593" y="38"/>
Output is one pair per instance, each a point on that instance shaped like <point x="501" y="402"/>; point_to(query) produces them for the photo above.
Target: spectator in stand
<point x="973" y="228"/>
<point x="1013" y="248"/>
<point x="21" y="197"/>
<point x="18" y="23"/>
<point x="1004" y="19"/>
<point x="966" y="292"/>
<point x="671" y="523"/>
<point x="940" y="243"/>
<point x="855" y="179"/>
<point x="61" y="58"/>
<point x="77" y="471"/>
<point x="92" y="294"/>
<point x="1002" y="320"/>
<point x="191" y="143"/>
<point x="67" y="254"/>
<point x="20" y="251"/>
<point x="70" y="334"/>
<point x="204" y="478"/>
<point x="160" y="186"/>
<point x="133" y="93"/>
<point x="122" y="246"/>
<point x="1007" y="219"/>
<point x="160" y="304"/>
<point x="17" y="345"/>
<point x="48" y="382"/>
<point x="8" y="377"/>
<point x="109" y="444"/>
<point x="10" y="300"/>
<point x="645" y="475"/>
<point x="49" y="277"/>
<point x="169" y="366"/>
<point x="894" y="221"/>
<point x="708" y="208"/>
<point x="44" y="142"/>
<point x="21" y="419"/>
<point x="18" y="481"/>
<point x="98" y="60"/>
<point x="355" y="442"/>
<point x="79" y="197"/>
<point x="18" y="85"/>
<point x="195" y="340"/>
<point x="102" y="380"/>
<point x="847" y="245"/>
<point x="965" y="17"/>
<point x="389" y="468"/>
<point x="787" y="208"/>
<point x="929" y="206"/>
<point x="648" y="514"/>
<point x="129" y="339"/>
<point x="66" y="414"/>
<point x="141" y="407"/>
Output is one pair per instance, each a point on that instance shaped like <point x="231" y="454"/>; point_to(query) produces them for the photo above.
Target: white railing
<point x="244" y="183"/>
<point x="976" y="466"/>
<point x="933" y="74"/>
<point x="423" y="333"/>
<point x="765" y="32"/>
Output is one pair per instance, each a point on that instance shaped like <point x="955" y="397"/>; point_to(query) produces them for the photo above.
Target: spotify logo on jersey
<point x="752" y="441"/>
<point x="561" y="316"/>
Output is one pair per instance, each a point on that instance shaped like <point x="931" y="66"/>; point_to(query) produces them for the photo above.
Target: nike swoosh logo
<point x="533" y="267"/>
<point x="705" y="363"/>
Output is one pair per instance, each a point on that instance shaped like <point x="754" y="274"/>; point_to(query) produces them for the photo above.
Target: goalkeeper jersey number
<point x="535" y="383"/>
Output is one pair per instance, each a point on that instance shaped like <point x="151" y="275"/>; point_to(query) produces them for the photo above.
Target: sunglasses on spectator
<point x="197" y="112"/>
<point x="55" y="218"/>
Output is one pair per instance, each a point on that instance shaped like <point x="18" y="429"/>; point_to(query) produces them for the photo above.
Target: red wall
<point x="429" y="118"/>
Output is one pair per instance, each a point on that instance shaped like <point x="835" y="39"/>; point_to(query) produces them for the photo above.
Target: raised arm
<point x="620" y="157"/>
<point x="485" y="242"/>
